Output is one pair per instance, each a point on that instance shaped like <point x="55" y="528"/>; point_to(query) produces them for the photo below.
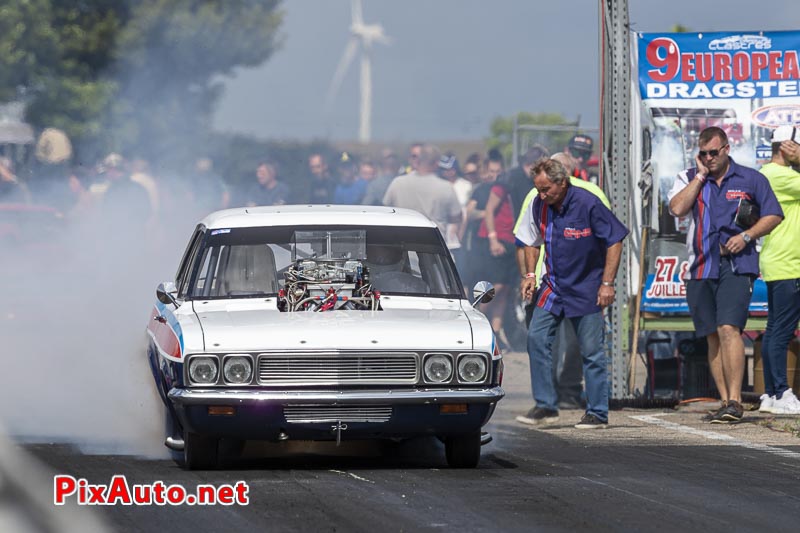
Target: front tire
<point x="463" y="451"/>
<point x="200" y="452"/>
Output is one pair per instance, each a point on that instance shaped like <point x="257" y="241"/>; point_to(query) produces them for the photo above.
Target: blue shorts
<point x="718" y="302"/>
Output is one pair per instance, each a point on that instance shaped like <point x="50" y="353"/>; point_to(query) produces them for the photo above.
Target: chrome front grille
<point x="297" y="414"/>
<point x="327" y="368"/>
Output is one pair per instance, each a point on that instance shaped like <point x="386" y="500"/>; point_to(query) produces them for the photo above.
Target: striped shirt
<point x="714" y="212"/>
<point x="576" y="239"/>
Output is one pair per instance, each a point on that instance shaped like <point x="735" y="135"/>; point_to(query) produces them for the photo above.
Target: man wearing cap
<point x="780" y="269"/>
<point x="720" y="279"/>
<point x="580" y="147"/>
<point x="350" y="189"/>
<point x="448" y="169"/>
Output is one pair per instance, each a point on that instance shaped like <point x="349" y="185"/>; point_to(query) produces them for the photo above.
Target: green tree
<point x="141" y="77"/>
<point x="502" y="132"/>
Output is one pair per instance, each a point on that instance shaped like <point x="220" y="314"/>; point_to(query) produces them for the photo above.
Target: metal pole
<point x="615" y="127"/>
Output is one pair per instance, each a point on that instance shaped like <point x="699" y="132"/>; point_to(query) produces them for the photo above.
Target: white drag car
<point x="321" y="323"/>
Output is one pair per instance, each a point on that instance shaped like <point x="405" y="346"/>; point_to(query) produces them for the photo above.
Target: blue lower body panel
<point x="315" y="415"/>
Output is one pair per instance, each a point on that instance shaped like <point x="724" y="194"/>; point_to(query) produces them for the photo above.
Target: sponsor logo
<point x="741" y="42"/>
<point x="735" y="195"/>
<point x="572" y="233"/>
<point x="772" y="116"/>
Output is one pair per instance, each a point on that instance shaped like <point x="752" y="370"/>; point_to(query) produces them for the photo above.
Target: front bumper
<point x="260" y="414"/>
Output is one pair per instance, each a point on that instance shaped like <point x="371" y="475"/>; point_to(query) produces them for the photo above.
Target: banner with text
<point x="748" y="84"/>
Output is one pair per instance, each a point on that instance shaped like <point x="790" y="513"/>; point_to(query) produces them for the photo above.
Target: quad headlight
<point x="237" y="369"/>
<point x="472" y="368"/>
<point x="203" y="370"/>
<point x="438" y="368"/>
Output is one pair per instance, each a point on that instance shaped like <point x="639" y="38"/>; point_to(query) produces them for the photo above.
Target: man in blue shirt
<point x="583" y="244"/>
<point x="720" y="279"/>
<point x="350" y="189"/>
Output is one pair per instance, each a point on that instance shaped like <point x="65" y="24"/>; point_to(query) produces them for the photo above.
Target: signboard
<point x="665" y="291"/>
<point x="746" y="83"/>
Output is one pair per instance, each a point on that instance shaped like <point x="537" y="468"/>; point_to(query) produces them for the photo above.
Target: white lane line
<point x="651" y="419"/>
<point x="353" y="476"/>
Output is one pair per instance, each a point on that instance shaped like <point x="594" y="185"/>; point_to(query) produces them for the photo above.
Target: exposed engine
<point x="326" y="285"/>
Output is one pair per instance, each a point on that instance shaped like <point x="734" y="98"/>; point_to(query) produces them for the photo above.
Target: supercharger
<point x="326" y="285"/>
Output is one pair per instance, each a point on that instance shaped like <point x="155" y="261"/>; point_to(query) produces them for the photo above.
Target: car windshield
<point x="251" y="262"/>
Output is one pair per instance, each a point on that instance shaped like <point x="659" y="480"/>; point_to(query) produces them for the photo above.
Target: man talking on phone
<point x="720" y="279"/>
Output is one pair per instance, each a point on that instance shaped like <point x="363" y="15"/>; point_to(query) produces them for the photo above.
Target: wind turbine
<point x="361" y="36"/>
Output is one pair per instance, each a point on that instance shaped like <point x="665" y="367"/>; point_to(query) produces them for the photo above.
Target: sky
<point x="453" y="65"/>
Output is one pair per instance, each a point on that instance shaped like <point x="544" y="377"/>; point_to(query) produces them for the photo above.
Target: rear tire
<point x="200" y="452"/>
<point x="463" y="451"/>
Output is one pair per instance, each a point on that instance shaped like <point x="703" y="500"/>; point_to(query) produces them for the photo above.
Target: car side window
<point x="244" y="270"/>
<point x="206" y="272"/>
<point x="184" y="272"/>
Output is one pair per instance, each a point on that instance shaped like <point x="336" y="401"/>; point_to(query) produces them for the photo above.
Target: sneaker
<point x="767" y="402"/>
<point x="787" y="404"/>
<point x="715" y="414"/>
<point x="539" y="416"/>
<point x="591" y="422"/>
<point x="732" y="413"/>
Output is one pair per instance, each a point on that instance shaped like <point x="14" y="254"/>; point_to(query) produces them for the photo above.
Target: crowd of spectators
<point x="474" y="204"/>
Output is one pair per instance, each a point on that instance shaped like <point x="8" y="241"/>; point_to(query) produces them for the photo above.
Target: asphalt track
<point x="651" y="470"/>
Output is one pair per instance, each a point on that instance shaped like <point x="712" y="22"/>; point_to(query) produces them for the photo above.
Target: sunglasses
<point x="712" y="153"/>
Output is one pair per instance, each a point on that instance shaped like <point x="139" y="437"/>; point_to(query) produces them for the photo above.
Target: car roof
<point x="304" y="215"/>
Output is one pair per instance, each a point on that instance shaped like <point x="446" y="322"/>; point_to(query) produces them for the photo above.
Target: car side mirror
<point x="165" y="292"/>
<point x="482" y="293"/>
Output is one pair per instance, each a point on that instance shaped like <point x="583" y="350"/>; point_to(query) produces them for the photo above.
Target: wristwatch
<point x="608" y="283"/>
<point x="747" y="238"/>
